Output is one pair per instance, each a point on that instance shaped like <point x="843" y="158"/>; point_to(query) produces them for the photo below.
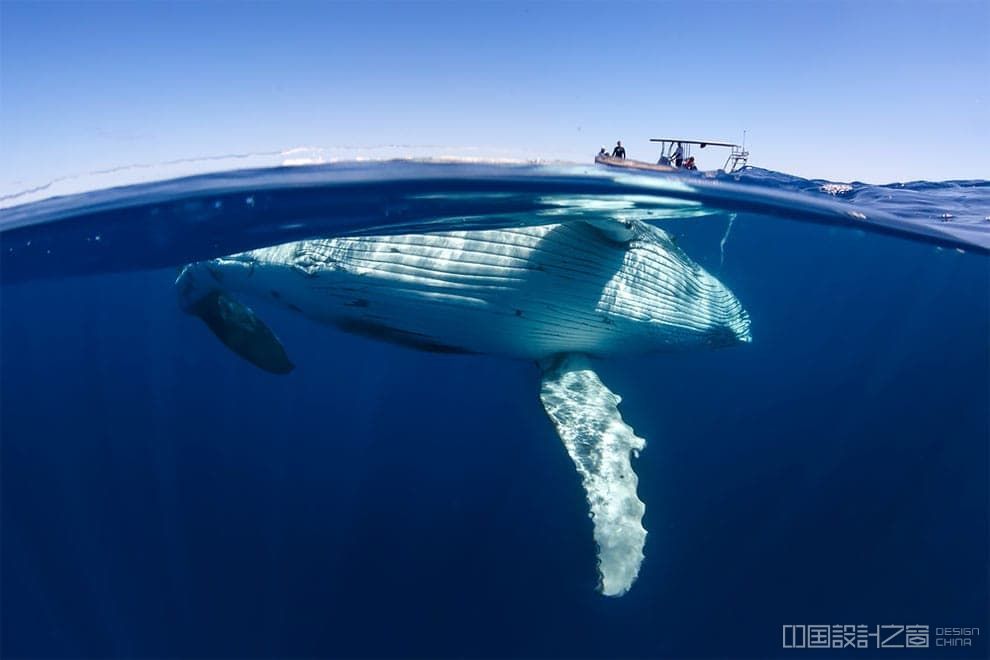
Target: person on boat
<point x="664" y="158"/>
<point x="689" y="164"/>
<point x="619" y="151"/>
<point x="679" y="155"/>
<point x="602" y="153"/>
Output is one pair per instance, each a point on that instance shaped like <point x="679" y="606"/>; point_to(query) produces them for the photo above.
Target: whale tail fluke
<point x="587" y="418"/>
<point x="234" y="323"/>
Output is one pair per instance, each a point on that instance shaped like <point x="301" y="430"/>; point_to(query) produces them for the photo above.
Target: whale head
<point x="661" y="295"/>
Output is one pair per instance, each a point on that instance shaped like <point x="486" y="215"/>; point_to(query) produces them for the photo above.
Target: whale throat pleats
<point x="588" y="422"/>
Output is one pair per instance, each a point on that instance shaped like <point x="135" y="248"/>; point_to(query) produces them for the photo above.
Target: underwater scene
<point x="435" y="409"/>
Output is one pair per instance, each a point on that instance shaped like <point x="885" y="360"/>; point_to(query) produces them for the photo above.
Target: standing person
<point x="619" y="151"/>
<point x="679" y="155"/>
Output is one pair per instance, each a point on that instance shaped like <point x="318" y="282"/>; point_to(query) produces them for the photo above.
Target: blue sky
<point x="873" y="91"/>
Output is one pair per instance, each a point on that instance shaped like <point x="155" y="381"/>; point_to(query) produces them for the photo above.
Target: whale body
<point x="557" y="294"/>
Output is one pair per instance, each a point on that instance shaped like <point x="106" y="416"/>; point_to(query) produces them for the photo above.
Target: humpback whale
<point x="558" y="294"/>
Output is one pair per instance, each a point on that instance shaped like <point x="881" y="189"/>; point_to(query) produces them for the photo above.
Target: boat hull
<point x="629" y="164"/>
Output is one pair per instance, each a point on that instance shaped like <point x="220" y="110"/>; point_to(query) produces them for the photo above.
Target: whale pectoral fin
<point x="588" y="422"/>
<point x="240" y="329"/>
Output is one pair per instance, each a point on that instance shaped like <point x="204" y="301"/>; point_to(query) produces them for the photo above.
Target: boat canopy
<point x="736" y="160"/>
<point x="702" y="143"/>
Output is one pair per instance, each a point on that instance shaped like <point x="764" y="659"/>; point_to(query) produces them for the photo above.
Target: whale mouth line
<point x="384" y="332"/>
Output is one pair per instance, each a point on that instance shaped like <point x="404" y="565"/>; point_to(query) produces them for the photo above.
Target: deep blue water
<point x="161" y="497"/>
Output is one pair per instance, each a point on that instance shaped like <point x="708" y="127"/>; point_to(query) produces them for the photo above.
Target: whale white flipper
<point x="588" y="422"/>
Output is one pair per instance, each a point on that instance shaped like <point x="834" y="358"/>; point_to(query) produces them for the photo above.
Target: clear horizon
<point x="875" y="91"/>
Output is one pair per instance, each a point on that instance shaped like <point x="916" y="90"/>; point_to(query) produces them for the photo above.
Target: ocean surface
<point x="162" y="497"/>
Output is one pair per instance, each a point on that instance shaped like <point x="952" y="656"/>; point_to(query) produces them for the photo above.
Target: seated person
<point x="689" y="164"/>
<point x="602" y="153"/>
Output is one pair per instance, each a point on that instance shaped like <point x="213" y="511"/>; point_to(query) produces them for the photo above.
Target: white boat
<point x="735" y="161"/>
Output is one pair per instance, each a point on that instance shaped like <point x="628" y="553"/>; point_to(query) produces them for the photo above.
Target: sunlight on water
<point x="172" y="222"/>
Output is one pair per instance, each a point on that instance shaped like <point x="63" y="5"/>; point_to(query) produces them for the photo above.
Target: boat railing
<point x="737" y="159"/>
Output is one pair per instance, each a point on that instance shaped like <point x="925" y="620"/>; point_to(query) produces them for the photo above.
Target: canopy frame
<point x="738" y="156"/>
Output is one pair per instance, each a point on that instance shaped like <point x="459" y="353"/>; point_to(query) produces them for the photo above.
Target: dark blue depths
<point x="161" y="497"/>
